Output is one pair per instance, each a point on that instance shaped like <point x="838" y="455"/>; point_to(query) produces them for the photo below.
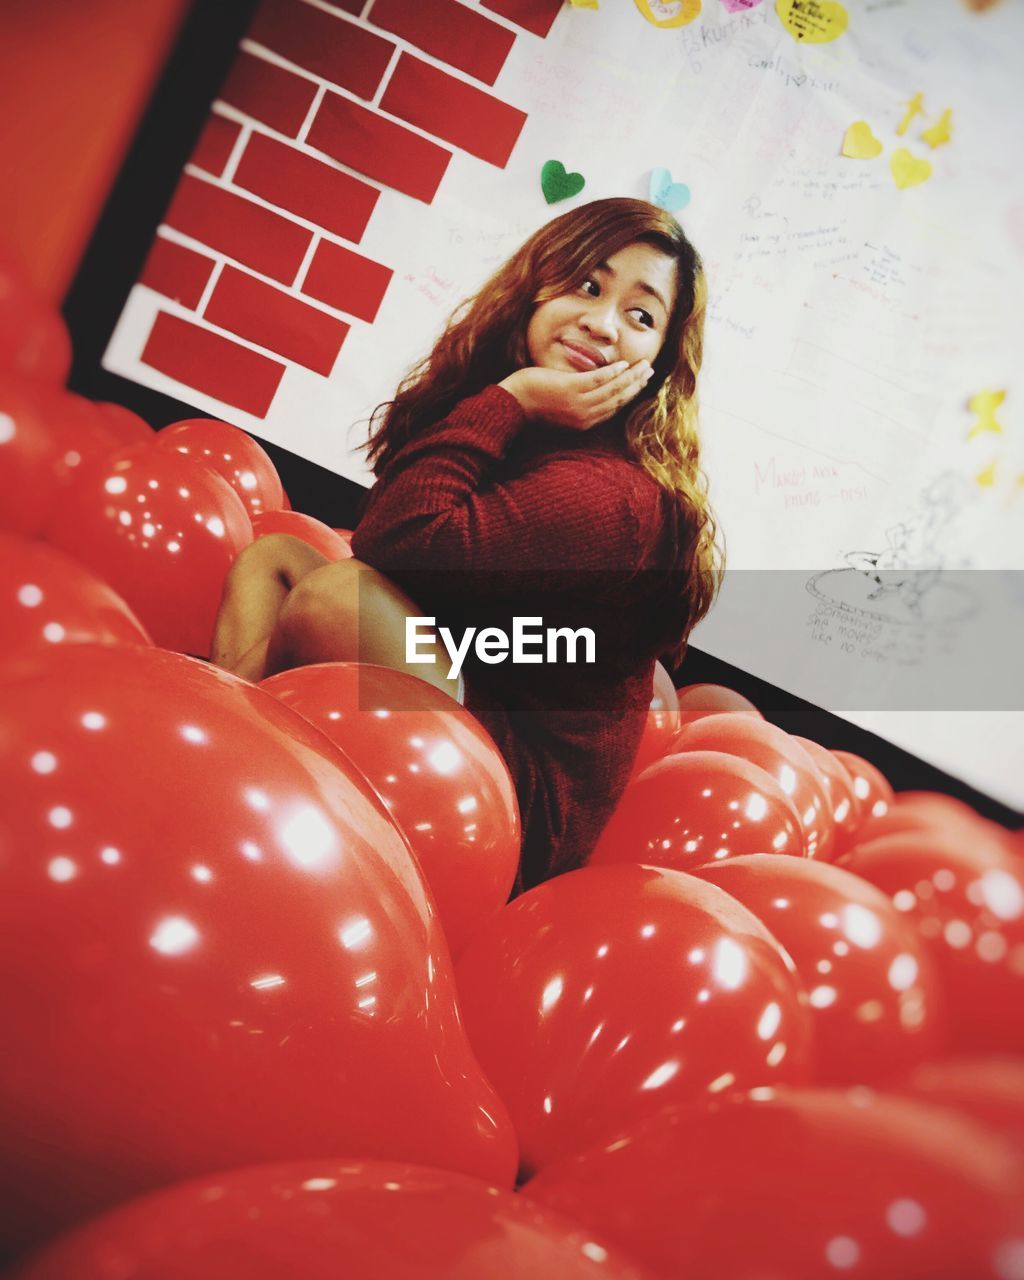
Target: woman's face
<point x="620" y="311"/>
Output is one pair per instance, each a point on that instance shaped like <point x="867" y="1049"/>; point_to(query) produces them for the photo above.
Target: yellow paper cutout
<point x="907" y="170"/>
<point x="584" y="4"/>
<point x="915" y="107"/>
<point x="812" y="21"/>
<point x="985" y="404"/>
<point x="688" y="10"/>
<point x="986" y="477"/>
<point x="859" y="143"/>
<point x="941" y="131"/>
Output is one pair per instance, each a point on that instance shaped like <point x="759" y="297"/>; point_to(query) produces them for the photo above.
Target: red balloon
<point x="843" y="803"/>
<point x="803" y="1184"/>
<point x="233" y="454"/>
<point x="45" y="436"/>
<point x="966" y="899"/>
<point x="602" y="995"/>
<point x="34" y="340"/>
<point x="320" y="1218"/>
<point x="870" y="785"/>
<point x="127" y="427"/>
<point x="47" y="598"/>
<point x="163" y="530"/>
<point x="991" y="1090"/>
<point x="874" y="992"/>
<point x="782" y="756"/>
<point x="923" y="811"/>
<point x="225" y="952"/>
<point x="662" y="721"/>
<point x="436" y="769"/>
<point x="697" y="700"/>
<point x="700" y="806"/>
<point x="315" y="532"/>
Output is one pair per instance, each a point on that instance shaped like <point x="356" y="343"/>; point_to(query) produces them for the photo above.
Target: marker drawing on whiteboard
<point x="910" y="567"/>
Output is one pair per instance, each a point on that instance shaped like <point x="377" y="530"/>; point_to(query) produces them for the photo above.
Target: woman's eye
<point x="643" y="317"/>
<point x="591" y="287"/>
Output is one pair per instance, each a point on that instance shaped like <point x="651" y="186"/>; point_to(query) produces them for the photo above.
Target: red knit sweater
<point x="486" y="516"/>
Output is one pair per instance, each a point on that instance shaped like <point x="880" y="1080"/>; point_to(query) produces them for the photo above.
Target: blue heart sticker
<point x="666" y="194"/>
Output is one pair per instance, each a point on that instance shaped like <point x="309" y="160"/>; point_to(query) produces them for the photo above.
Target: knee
<point x="322" y="600"/>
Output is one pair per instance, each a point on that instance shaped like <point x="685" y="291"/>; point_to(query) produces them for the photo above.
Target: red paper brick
<point x="213" y="364"/>
<point x="365" y="141"/>
<point x="215" y="144"/>
<point x="342" y="52"/>
<point x="176" y="272"/>
<point x="346" y="280"/>
<point x="450" y="32"/>
<point x="238" y="228"/>
<point x="532" y="15"/>
<point x="276" y="320"/>
<point x="267" y="92"/>
<point x="303" y="185"/>
<point x="461" y="114"/>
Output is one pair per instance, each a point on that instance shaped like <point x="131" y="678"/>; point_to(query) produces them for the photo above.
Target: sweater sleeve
<point x="444" y="503"/>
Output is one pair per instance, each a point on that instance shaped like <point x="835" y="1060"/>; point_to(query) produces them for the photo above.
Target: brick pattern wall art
<point x="330" y="115"/>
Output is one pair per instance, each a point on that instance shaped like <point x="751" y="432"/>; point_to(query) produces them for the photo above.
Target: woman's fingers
<point x="616" y="379"/>
<point x="617" y="389"/>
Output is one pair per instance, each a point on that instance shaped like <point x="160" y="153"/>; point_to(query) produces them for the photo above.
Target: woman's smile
<point x="582" y="354"/>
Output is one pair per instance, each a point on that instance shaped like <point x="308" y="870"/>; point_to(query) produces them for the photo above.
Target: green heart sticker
<point x="557" y="184"/>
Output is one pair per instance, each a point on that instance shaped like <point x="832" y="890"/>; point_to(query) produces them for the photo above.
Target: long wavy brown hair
<point x="485" y="341"/>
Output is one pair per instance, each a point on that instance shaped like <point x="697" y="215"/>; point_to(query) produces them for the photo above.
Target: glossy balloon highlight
<point x="602" y="995"/>
<point x="875" y="996"/>
<point x="437" y="772"/>
<point x="163" y="530"/>
<point x="697" y="807"/>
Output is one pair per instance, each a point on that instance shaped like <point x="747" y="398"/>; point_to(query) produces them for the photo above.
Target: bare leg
<point x="350" y="612"/>
<point x="254" y="591"/>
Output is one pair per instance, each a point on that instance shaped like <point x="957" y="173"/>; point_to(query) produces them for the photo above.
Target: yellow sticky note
<point x="584" y="4"/>
<point x="859" y="143"/>
<point x="907" y="170"/>
<point x="985" y="404"/>
<point x="941" y="131"/>
<point x="674" y="13"/>
<point x="812" y="21"/>
<point x="915" y="107"/>
<point x="986" y="477"/>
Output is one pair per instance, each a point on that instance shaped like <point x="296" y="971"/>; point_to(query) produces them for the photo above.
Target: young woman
<point x="541" y="463"/>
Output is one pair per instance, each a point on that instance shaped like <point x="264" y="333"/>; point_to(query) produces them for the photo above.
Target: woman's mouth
<point x="582" y="356"/>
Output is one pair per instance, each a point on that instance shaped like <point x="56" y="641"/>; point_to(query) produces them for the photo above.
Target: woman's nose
<point x="600" y="322"/>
